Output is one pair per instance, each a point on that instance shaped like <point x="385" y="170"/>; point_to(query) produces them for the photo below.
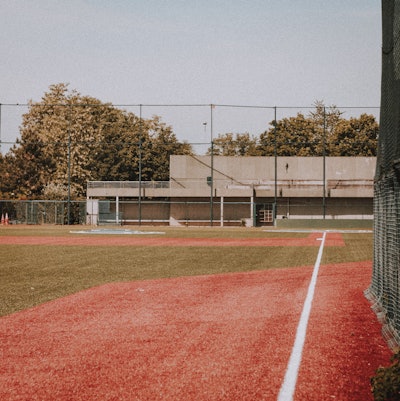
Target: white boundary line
<point x="306" y="230"/>
<point x="115" y="231"/>
<point x="289" y="383"/>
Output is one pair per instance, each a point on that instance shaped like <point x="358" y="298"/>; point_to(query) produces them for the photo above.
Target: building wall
<point x="238" y="169"/>
<point x="244" y="186"/>
<point x="296" y="176"/>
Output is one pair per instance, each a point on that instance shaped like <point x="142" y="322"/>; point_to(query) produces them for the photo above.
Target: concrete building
<point x="220" y="190"/>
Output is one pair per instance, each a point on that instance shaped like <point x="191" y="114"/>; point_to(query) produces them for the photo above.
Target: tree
<point x="235" y="145"/>
<point x="323" y="131"/>
<point x="162" y="144"/>
<point x="294" y="136"/>
<point x="69" y="139"/>
<point x="325" y="120"/>
<point x="4" y="174"/>
<point x="27" y="167"/>
<point x="355" y="137"/>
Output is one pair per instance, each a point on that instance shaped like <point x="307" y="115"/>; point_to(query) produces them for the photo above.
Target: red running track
<point x="222" y="337"/>
<point x="333" y="239"/>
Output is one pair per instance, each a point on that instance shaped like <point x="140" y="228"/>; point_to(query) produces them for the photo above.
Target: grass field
<point x="30" y="275"/>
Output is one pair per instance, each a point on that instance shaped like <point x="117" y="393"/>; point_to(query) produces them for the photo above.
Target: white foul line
<point x="289" y="383"/>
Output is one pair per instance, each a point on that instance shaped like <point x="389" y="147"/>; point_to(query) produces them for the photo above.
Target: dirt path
<point x="222" y="337"/>
<point x="333" y="239"/>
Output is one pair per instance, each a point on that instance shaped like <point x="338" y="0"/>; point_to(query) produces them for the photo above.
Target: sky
<point x="200" y="52"/>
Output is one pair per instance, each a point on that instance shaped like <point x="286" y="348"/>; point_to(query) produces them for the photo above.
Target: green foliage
<point x="56" y="191"/>
<point x="292" y="136"/>
<point x="354" y="137"/>
<point x="323" y="131"/>
<point x="235" y="145"/>
<point x="69" y="137"/>
<point x="386" y="382"/>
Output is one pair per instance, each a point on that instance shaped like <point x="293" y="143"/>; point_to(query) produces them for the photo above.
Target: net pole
<point x="212" y="167"/>
<point x="275" y="168"/>
<point x="140" y="164"/>
<point x="324" y="167"/>
<point x="0" y="127"/>
<point x="69" y="166"/>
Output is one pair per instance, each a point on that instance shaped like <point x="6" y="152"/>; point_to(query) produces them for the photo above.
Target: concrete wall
<point x="242" y="176"/>
<point x="239" y="169"/>
<point x="296" y="176"/>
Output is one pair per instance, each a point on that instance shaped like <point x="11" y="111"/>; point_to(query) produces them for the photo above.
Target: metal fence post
<point x="324" y="166"/>
<point x="69" y="166"/>
<point x="212" y="168"/>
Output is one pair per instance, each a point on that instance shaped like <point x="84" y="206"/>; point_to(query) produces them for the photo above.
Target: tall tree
<point x="325" y="120"/>
<point x="323" y="131"/>
<point x="294" y="136"/>
<point x="68" y="139"/>
<point x="355" y="137"/>
<point x="162" y="144"/>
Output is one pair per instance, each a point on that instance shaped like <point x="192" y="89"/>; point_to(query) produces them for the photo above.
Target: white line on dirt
<point x="306" y="230"/>
<point x="289" y="383"/>
<point x="115" y="231"/>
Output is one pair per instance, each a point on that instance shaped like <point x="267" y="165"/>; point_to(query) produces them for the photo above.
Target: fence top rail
<point x="127" y="184"/>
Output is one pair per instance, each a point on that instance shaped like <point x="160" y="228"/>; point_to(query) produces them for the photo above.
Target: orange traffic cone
<point x="2" y="219"/>
<point x="6" y="220"/>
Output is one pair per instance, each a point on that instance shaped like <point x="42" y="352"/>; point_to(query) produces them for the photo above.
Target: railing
<point x="127" y="184"/>
<point x="230" y="184"/>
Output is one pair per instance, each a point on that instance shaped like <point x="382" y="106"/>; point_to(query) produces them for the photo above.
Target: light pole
<point x="0" y="127"/>
<point x="212" y="168"/>
<point x="275" y="169"/>
<point x="140" y="164"/>
<point x="324" y="167"/>
<point x="69" y="166"/>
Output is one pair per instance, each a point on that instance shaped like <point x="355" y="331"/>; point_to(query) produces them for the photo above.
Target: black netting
<point x="384" y="289"/>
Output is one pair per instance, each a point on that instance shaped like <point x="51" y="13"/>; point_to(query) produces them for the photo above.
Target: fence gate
<point x="264" y="214"/>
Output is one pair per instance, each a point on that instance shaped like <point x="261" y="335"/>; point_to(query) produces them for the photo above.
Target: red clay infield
<point x="222" y="337"/>
<point x="332" y="239"/>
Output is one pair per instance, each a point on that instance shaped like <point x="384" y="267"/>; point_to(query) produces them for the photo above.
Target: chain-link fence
<point x="385" y="286"/>
<point x="184" y="213"/>
<point x="43" y="212"/>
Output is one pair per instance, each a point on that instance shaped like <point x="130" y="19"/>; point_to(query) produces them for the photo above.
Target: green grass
<point x="358" y="247"/>
<point x="30" y="275"/>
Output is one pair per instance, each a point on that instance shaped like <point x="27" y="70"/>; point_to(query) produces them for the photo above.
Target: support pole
<point x="0" y="127"/>
<point x="324" y="167"/>
<point x="252" y="210"/>
<point x="140" y="164"/>
<point x="212" y="168"/>
<point x="117" y="210"/>
<point x="222" y="211"/>
<point x="275" y="167"/>
<point x="69" y="166"/>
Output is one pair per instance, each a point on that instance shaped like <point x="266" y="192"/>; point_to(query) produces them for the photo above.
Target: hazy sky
<point x="242" y="52"/>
